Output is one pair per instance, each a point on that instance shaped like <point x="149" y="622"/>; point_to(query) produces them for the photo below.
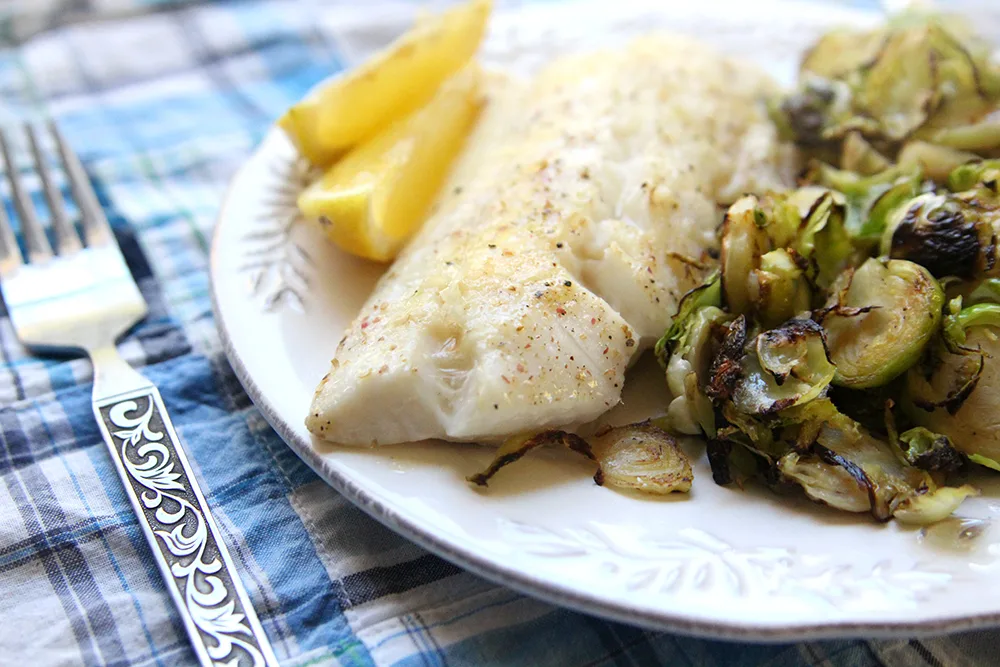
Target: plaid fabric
<point x="163" y="100"/>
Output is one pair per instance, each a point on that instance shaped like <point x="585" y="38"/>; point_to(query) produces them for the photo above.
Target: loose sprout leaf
<point x="987" y="462"/>
<point x="968" y="176"/>
<point x="827" y="482"/>
<point x="642" y="457"/>
<point x="891" y="482"/>
<point x="932" y="506"/>
<point x="936" y="162"/>
<point x="954" y="377"/>
<point x="981" y="314"/>
<point x="860" y="157"/>
<point x="732" y="462"/>
<point x="870" y="200"/>
<point x="979" y="137"/>
<point x="881" y="211"/>
<point x="840" y="52"/>
<point x="987" y="291"/>
<point x="514" y="448"/>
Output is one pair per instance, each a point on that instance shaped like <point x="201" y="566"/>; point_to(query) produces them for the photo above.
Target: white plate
<point x="720" y="562"/>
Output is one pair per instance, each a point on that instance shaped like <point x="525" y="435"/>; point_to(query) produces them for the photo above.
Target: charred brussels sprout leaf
<point x="879" y="321"/>
<point x="899" y="89"/>
<point x="636" y="456"/>
<point x="840" y="52"/>
<point x="726" y="369"/>
<point x="787" y="366"/>
<point x="514" y="448"/>
<point x="930" y="451"/>
<point x="983" y="136"/>
<point x="709" y="293"/>
<point x="932" y="506"/>
<point x="933" y="231"/>
<point x="822" y="240"/>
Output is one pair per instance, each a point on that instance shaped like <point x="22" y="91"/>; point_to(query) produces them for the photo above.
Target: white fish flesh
<point x="557" y="251"/>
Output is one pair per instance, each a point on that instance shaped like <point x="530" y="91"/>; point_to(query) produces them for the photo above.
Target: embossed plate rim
<point x="492" y="568"/>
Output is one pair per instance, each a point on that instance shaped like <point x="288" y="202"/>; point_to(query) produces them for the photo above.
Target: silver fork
<point x="81" y="298"/>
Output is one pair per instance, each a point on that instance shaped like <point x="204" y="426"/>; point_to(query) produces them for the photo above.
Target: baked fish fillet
<point x="551" y="259"/>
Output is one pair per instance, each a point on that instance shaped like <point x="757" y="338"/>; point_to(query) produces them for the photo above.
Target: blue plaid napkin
<point x="163" y="100"/>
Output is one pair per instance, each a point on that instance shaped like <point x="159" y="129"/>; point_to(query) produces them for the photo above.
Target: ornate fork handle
<point x="175" y="518"/>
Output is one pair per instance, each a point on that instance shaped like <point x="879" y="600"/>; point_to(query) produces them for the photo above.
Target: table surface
<point x="163" y="100"/>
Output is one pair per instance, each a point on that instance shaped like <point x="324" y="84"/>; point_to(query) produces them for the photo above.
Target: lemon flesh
<point x="373" y="200"/>
<point x="391" y="85"/>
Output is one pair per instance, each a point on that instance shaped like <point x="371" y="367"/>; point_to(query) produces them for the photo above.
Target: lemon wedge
<point x="373" y="200"/>
<point x="398" y="80"/>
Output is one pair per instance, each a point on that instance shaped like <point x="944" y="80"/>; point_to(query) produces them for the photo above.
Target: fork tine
<point x="10" y="254"/>
<point x="96" y="229"/>
<point x="66" y="236"/>
<point x="34" y="234"/>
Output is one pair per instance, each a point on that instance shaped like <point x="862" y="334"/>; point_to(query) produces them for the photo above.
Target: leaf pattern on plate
<point x="279" y="268"/>
<point x="694" y="561"/>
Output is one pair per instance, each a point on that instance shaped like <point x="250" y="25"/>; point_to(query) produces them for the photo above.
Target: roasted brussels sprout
<point x="851" y="470"/>
<point x="641" y="457"/>
<point x="827" y="325"/>
<point x="726" y="368"/>
<point x="933" y="231"/>
<point x="786" y="366"/>
<point x="514" y="448"/>
<point x="879" y="319"/>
